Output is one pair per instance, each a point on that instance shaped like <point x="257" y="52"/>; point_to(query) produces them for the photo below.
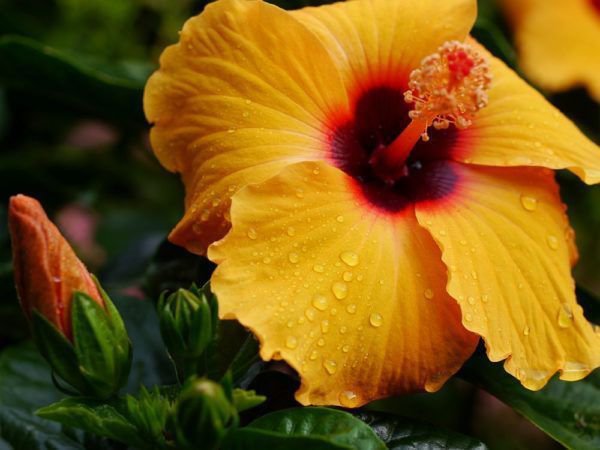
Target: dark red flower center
<point x="595" y="5"/>
<point x="380" y="115"/>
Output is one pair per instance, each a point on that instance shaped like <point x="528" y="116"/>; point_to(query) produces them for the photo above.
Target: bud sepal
<point x="97" y="361"/>
<point x="203" y="415"/>
<point x="188" y="321"/>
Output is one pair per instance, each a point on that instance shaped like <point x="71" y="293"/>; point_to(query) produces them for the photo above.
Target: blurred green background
<point x="73" y="135"/>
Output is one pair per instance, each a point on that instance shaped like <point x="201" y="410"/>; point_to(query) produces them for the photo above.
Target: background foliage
<point x="73" y="135"/>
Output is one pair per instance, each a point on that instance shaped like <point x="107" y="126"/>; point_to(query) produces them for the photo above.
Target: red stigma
<point x="460" y="64"/>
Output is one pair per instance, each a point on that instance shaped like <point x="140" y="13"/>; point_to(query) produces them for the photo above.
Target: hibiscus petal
<point x="382" y="41"/>
<point x="234" y="101"/>
<point x="505" y="238"/>
<point x="519" y="127"/>
<point x="565" y="57"/>
<point x="351" y="298"/>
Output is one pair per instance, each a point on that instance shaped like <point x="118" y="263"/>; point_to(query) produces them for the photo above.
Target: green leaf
<point x="567" y="411"/>
<point x="335" y="426"/>
<point x="402" y="434"/>
<point x="94" y="417"/>
<point x="254" y="439"/>
<point x="25" y="386"/>
<point x="110" y="91"/>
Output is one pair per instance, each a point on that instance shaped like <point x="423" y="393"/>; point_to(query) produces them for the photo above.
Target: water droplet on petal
<point x="376" y="320"/>
<point x="351" y="309"/>
<point x="471" y="300"/>
<point x="526" y="331"/>
<point x="325" y="326"/>
<point x="291" y="342"/>
<point x="310" y="314"/>
<point x="320" y="302"/>
<point x="252" y="233"/>
<point x="321" y="342"/>
<point x="330" y="366"/>
<point x="428" y="294"/>
<point x="340" y="219"/>
<point x="346" y="348"/>
<point x="318" y="268"/>
<point x="552" y="242"/>
<point x="468" y="317"/>
<point x="266" y="260"/>
<point x="313" y="355"/>
<point x="350" y="258"/>
<point x="340" y="290"/>
<point x="348" y="399"/>
<point x="529" y="203"/>
<point x="294" y="257"/>
<point x="347" y="276"/>
<point x="291" y="231"/>
<point x="565" y="316"/>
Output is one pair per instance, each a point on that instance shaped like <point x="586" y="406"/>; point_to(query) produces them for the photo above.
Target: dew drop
<point x="252" y="233"/>
<point x="468" y="317"/>
<point x="529" y="203"/>
<point x="291" y="231"/>
<point x="471" y="300"/>
<point x="294" y="257"/>
<point x="343" y="330"/>
<point x="348" y="399"/>
<point x="320" y="302"/>
<point x="347" y="276"/>
<point x="376" y="320"/>
<point x="428" y="294"/>
<point x="313" y="355"/>
<point x="318" y="268"/>
<point x="266" y="260"/>
<point x="346" y="348"/>
<point x="565" y="316"/>
<point x="340" y="290"/>
<point x="197" y="228"/>
<point x="330" y="366"/>
<point x="325" y="326"/>
<point x="526" y="331"/>
<point x="321" y="342"/>
<point x="310" y="314"/>
<point x="340" y="219"/>
<point x="485" y="298"/>
<point x="350" y="258"/>
<point x="205" y="215"/>
<point x="552" y="242"/>
<point x="351" y="309"/>
<point x="291" y="342"/>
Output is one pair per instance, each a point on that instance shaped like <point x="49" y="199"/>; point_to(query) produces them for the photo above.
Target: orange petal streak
<point x="519" y="127"/>
<point x="243" y="94"/>
<point x="355" y="301"/>
<point x="505" y="239"/>
<point x="379" y="42"/>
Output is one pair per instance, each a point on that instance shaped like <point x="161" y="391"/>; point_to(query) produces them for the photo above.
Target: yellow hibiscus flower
<point x="375" y="187"/>
<point x="558" y="42"/>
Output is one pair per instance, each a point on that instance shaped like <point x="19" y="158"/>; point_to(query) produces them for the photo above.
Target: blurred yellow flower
<point x="558" y="42"/>
<point x="391" y="194"/>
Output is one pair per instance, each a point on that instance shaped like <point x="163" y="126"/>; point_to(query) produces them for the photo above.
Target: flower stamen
<point x="449" y="88"/>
